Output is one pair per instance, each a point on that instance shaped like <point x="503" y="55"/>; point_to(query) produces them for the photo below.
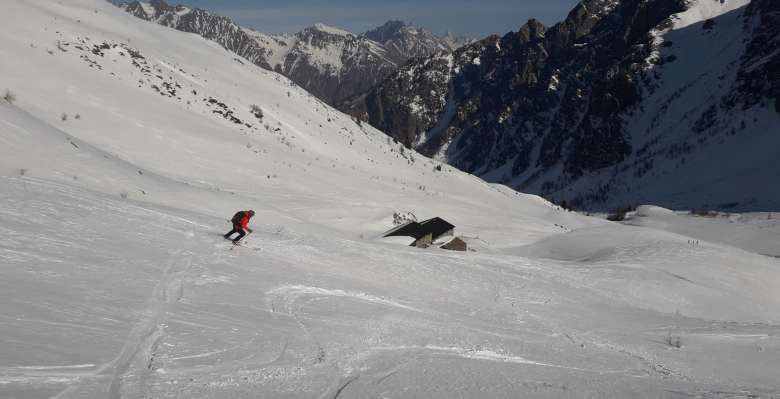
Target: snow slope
<point x="116" y="283"/>
<point x="298" y="154"/>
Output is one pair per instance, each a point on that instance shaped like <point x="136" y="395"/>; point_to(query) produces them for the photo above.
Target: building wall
<point x="424" y="242"/>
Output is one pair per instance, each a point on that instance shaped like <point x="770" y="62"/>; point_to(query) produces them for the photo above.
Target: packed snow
<point x="129" y="145"/>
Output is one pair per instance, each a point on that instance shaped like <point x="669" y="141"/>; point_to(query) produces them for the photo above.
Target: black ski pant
<point x="236" y="229"/>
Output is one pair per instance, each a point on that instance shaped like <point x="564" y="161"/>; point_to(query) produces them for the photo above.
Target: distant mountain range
<point x="328" y="62"/>
<point x="672" y="102"/>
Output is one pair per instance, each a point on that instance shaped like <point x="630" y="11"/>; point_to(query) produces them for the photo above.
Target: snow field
<point x="161" y="305"/>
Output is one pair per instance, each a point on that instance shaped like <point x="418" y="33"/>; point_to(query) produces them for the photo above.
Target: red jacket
<point x="244" y="221"/>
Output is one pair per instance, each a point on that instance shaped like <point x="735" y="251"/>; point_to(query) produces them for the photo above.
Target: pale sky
<point x="472" y="18"/>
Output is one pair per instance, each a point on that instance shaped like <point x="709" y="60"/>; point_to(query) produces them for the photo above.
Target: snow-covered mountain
<point x="665" y="101"/>
<point x="403" y="41"/>
<point x="126" y="146"/>
<point x="329" y="62"/>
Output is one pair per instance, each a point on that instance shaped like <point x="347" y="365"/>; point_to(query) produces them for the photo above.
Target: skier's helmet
<point x="251" y="213"/>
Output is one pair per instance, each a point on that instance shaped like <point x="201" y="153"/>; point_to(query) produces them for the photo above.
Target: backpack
<point x="237" y="218"/>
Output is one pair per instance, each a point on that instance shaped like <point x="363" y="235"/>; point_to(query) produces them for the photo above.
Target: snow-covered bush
<point x="124" y="194"/>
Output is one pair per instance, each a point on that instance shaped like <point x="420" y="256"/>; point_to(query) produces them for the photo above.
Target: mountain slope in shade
<point x="622" y="102"/>
<point x="330" y="63"/>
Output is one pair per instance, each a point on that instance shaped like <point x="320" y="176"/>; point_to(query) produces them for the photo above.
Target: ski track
<point x="338" y="388"/>
<point x="202" y="355"/>
<point x="485" y="355"/>
<point x="135" y="359"/>
<point x="319" y="354"/>
<point x="72" y="367"/>
<point x="289" y="294"/>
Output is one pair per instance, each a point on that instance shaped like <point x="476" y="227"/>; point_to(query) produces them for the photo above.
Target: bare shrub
<point x="257" y="111"/>
<point x="566" y="206"/>
<point x="704" y="212"/>
<point x="674" y="340"/>
<point x="9" y="96"/>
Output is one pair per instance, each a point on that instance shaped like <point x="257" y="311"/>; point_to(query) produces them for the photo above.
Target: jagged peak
<point x="386" y="31"/>
<point x="396" y="30"/>
<point x="394" y="24"/>
<point x="599" y="7"/>
<point x="392" y="30"/>
<point x="156" y="8"/>
<point x="533" y="28"/>
<point x="591" y="9"/>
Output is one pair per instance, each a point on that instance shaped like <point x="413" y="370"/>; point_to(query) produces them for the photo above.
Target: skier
<point x="240" y="224"/>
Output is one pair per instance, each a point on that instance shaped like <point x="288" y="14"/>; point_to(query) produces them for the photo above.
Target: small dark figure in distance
<point x="240" y="225"/>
